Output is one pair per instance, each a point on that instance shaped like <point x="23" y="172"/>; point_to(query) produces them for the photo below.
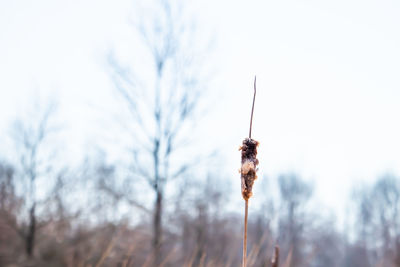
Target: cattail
<point x="249" y="166"/>
<point x="248" y="173"/>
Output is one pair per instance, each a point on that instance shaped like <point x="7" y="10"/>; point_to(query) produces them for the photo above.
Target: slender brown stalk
<point x="246" y="213"/>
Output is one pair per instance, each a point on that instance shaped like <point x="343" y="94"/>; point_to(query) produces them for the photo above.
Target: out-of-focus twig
<point x="275" y="258"/>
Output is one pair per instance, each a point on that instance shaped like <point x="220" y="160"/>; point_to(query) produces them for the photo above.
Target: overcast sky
<point x="328" y="79"/>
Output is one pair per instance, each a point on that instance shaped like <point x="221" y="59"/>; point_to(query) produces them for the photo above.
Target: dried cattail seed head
<point x="248" y="174"/>
<point x="249" y="166"/>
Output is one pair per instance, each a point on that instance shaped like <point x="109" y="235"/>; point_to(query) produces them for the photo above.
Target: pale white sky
<point x="328" y="79"/>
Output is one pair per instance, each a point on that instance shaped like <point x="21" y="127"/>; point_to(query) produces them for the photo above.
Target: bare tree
<point x="30" y="137"/>
<point x="162" y="107"/>
<point x="386" y="195"/>
<point x="294" y="193"/>
<point x="10" y="205"/>
<point x="378" y="215"/>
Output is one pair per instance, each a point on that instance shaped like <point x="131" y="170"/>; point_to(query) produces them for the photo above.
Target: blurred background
<point x="120" y="123"/>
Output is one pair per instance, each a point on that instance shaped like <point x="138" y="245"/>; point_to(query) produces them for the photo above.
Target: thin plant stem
<point x="246" y="212"/>
<point x="252" y="107"/>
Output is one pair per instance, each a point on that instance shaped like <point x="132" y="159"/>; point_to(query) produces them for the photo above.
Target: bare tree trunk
<point x="30" y="237"/>
<point x="157" y="223"/>
<point x="157" y="228"/>
<point x="397" y="252"/>
<point x="201" y="226"/>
